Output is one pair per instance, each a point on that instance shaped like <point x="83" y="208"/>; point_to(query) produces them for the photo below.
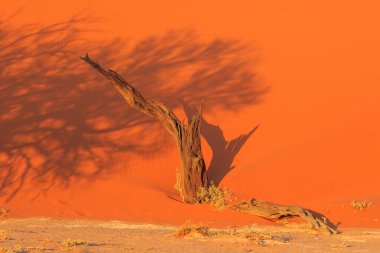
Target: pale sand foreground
<point x="50" y="235"/>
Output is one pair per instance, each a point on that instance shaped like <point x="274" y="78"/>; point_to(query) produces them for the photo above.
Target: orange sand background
<point x="307" y="72"/>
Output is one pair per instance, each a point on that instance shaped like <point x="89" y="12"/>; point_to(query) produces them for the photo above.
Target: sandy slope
<point x="307" y="71"/>
<point x="47" y="235"/>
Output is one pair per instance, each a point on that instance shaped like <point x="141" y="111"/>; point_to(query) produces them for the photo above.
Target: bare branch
<point x="273" y="211"/>
<point x="133" y="97"/>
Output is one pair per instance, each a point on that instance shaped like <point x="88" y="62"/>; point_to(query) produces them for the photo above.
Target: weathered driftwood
<point x="273" y="211"/>
<point x="192" y="175"/>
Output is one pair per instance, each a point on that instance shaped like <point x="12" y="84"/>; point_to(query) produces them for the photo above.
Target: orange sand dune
<point x="291" y="106"/>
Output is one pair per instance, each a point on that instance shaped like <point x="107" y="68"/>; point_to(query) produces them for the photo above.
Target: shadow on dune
<point x="60" y="121"/>
<point x="223" y="151"/>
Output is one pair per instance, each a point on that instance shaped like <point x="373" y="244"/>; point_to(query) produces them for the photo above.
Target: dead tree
<point x="192" y="174"/>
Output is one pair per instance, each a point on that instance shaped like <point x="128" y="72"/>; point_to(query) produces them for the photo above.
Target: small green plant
<point x="219" y="198"/>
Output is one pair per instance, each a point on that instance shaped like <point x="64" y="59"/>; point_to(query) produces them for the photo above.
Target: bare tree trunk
<point x="193" y="169"/>
<point x="187" y="135"/>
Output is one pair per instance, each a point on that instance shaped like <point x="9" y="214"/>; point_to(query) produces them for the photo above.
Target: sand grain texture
<point x="49" y="235"/>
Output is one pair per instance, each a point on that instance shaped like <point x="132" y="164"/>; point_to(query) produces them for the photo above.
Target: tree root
<point x="273" y="211"/>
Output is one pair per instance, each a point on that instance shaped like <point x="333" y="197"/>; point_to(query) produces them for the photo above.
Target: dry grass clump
<point x="20" y="249"/>
<point x="232" y="234"/>
<point x="3" y="235"/>
<point x="3" y="213"/>
<point x="71" y="243"/>
<point x="361" y="205"/>
<point x="16" y="249"/>
<point x="219" y="198"/>
<point x="195" y="230"/>
<point x="5" y="250"/>
<point x="253" y="235"/>
<point x="340" y="245"/>
<point x="262" y="238"/>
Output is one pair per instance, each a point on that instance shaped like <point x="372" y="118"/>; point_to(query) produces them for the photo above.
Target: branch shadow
<point x="223" y="151"/>
<point x="60" y="122"/>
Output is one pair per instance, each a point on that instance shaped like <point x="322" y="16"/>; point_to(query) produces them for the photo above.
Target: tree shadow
<point x="223" y="151"/>
<point x="60" y="122"/>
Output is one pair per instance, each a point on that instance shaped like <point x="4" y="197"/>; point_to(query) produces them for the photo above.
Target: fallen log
<point x="277" y="212"/>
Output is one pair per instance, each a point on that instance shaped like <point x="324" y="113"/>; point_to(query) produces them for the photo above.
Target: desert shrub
<point x="361" y="205"/>
<point x="219" y="198"/>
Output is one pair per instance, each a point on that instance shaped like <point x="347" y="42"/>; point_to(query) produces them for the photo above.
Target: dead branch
<point x="273" y="211"/>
